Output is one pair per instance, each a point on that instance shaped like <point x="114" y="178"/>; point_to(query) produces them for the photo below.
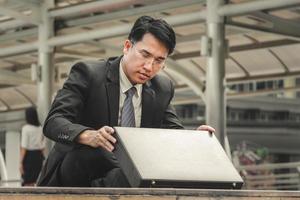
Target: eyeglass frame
<point x="148" y="56"/>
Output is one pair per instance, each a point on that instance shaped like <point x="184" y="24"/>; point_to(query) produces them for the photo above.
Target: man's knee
<point x="85" y="164"/>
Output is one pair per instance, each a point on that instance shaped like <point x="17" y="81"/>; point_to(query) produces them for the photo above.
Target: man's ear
<point x="127" y="46"/>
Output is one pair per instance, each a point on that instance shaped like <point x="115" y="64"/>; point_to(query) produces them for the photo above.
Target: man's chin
<point x="141" y="81"/>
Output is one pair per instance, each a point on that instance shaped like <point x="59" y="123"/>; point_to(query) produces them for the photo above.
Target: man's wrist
<point x="81" y="138"/>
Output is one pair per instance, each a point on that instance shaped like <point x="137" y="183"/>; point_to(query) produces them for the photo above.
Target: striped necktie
<point x="127" y="115"/>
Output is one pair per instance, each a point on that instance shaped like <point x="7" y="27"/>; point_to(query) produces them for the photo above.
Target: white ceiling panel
<point x="258" y="62"/>
<point x="13" y="98"/>
<point x="289" y="55"/>
<point x="232" y="69"/>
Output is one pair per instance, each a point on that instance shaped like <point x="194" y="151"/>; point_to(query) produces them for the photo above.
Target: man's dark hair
<point x="31" y="116"/>
<point x="159" y="28"/>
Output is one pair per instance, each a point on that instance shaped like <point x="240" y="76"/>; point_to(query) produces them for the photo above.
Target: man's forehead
<point x="157" y="52"/>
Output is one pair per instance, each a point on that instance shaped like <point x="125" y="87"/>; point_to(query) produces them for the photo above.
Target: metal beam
<point x="121" y="14"/>
<point x="100" y="33"/>
<point x="90" y="7"/>
<point x="261" y="92"/>
<point x="19" y="34"/>
<point x="263" y="77"/>
<point x="280" y="25"/>
<point x="12" y="24"/>
<point x="263" y="45"/>
<point x="237" y="95"/>
<point x="116" y="15"/>
<point x="246" y="47"/>
<point x="13" y="78"/>
<point x="120" y="30"/>
<point x="18" y="49"/>
<point x="274" y="30"/>
<point x="248" y="79"/>
<point x="248" y="7"/>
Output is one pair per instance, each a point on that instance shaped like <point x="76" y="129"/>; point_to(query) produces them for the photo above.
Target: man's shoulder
<point x="92" y="64"/>
<point x="161" y="81"/>
<point x="93" y="67"/>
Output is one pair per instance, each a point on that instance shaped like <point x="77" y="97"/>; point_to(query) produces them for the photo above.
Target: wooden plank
<point x="31" y="193"/>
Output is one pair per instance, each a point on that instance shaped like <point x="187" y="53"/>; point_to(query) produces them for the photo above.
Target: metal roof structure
<point x="262" y="44"/>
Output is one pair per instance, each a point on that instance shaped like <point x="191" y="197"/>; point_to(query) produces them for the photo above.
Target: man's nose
<point x="148" y="64"/>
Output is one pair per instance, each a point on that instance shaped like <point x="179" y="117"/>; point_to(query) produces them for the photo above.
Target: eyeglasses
<point x="149" y="58"/>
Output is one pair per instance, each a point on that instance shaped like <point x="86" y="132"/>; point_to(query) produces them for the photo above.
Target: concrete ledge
<point x="43" y="193"/>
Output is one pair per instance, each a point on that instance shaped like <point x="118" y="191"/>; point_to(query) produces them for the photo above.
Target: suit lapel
<point x="113" y="91"/>
<point x="148" y="99"/>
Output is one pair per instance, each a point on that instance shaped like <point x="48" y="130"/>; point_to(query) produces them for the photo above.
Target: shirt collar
<point x="125" y="84"/>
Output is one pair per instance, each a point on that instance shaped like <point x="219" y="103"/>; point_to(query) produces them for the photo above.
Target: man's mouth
<point x="143" y="76"/>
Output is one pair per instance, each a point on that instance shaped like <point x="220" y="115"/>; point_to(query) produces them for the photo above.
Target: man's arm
<point x="170" y="119"/>
<point x="62" y="123"/>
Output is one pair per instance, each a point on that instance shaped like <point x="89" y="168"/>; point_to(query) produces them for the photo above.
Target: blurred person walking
<point x="32" y="148"/>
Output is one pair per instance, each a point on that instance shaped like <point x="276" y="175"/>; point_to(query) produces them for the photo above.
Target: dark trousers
<point x="91" y="167"/>
<point x="32" y="164"/>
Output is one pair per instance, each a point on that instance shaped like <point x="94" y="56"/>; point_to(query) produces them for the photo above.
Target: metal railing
<point x="274" y="176"/>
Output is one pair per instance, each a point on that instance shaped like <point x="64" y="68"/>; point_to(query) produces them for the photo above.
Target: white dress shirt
<point x="136" y="99"/>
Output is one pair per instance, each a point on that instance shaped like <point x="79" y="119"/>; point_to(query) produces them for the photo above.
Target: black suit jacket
<point x="89" y="99"/>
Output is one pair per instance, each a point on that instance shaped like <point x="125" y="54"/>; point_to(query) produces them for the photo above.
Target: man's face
<point x="143" y="60"/>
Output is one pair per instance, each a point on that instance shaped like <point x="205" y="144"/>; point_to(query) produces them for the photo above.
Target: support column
<point x="3" y="171"/>
<point x="12" y="157"/>
<point x="215" y="74"/>
<point x="45" y="65"/>
<point x="290" y="83"/>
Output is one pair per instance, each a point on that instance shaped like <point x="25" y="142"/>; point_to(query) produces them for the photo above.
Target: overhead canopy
<point x="263" y="45"/>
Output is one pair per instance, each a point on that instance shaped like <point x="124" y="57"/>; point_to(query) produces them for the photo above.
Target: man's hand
<point x="206" y="128"/>
<point x="98" y="138"/>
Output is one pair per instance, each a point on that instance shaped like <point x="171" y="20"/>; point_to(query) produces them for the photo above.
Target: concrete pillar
<point x="12" y="157"/>
<point x="45" y="65"/>
<point x="215" y="75"/>
<point x="3" y="171"/>
<point x="289" y="83"/>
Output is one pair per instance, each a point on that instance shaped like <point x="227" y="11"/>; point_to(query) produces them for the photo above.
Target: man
<point x="95" y="98"/>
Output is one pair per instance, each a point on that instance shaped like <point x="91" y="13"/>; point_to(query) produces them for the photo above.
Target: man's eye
<point x="145" y="54"/>
<point x="159" y="61"/>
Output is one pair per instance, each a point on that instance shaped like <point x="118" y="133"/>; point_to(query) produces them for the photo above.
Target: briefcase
<point x="174" y="158"/>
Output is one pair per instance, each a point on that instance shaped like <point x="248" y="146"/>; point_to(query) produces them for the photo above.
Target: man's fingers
<point x="109" y="137"/>
<point x="206" y="128"/>
<point x="108" y="129"/>
<point x="103" y="142"/>
<point x="106" y="132"/>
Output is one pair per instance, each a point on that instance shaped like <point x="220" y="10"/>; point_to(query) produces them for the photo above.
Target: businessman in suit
<point x="92" y="100"/>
